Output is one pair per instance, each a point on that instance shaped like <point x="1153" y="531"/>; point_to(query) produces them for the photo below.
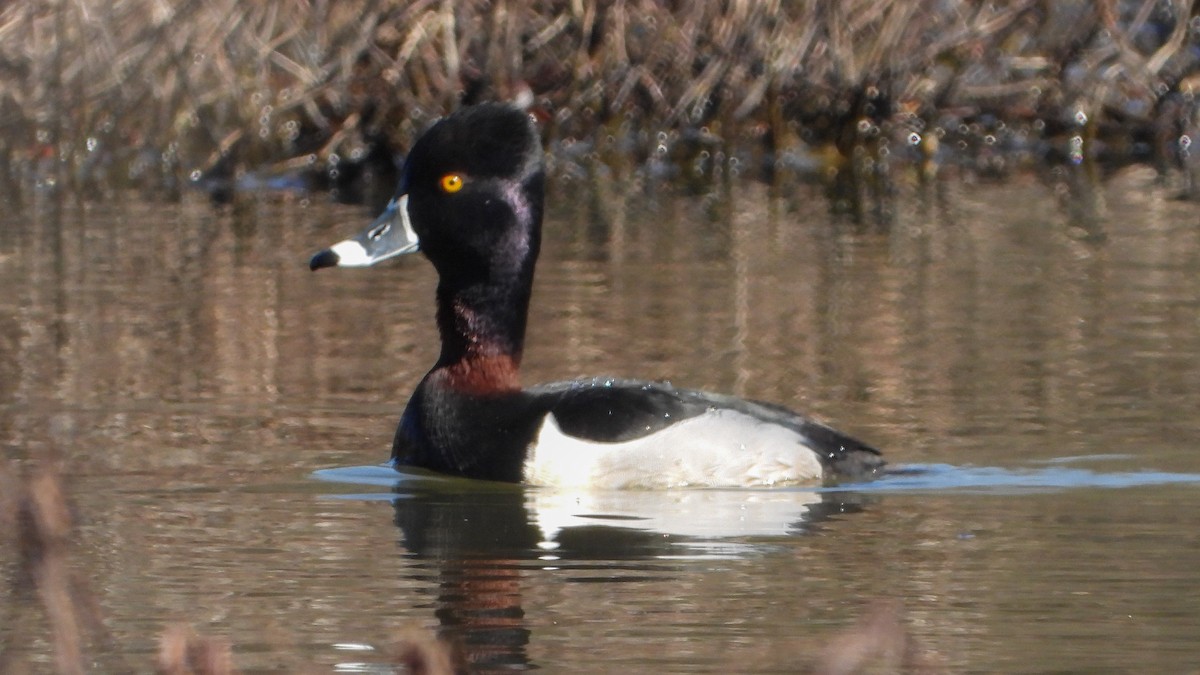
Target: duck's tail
<point x="844" y="457"/>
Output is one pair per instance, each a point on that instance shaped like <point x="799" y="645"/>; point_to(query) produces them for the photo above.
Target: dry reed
<point x="143" y="92"/>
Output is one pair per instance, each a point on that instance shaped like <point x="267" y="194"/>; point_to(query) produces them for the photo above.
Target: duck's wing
<point x="607" y="410"/>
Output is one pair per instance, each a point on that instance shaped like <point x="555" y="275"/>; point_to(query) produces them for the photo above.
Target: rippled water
<point x="1033" y="367"/>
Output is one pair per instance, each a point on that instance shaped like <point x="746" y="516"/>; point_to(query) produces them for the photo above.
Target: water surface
<point x="222" y="413"/>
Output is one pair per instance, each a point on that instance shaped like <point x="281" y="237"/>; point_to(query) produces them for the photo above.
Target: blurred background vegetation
<point x="229" y="96"/>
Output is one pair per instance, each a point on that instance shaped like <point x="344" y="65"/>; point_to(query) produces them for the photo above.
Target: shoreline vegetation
<point x="232" y="97"/>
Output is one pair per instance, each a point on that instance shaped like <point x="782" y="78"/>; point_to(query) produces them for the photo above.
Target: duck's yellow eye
<point x="451" y="183"/>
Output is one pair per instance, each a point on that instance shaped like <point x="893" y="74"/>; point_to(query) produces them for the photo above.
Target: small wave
<point x="1052" y="475"/>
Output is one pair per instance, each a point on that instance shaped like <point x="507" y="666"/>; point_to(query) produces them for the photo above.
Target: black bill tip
<point x="326" y="258"/>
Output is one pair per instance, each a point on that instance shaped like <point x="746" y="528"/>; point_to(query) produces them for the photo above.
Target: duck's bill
<point x="390" y="235"/>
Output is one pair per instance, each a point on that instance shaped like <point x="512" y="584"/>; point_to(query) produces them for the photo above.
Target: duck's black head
<point x="470" y="198"/>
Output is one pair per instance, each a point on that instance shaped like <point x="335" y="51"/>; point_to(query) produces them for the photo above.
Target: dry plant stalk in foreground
<point x="35" y="512"/>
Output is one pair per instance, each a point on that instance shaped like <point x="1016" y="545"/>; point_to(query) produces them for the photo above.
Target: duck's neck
<point x="482" y="327"/>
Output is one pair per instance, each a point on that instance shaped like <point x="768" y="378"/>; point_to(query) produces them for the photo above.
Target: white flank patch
<point x="350" y="253"/>
<point x="720" y="448"/>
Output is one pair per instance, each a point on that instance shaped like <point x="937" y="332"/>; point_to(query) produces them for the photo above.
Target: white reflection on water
<point x="694" y="513"/>
<point x="700" y="513"/>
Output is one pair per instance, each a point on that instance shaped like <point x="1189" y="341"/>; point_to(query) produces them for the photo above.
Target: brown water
<point x="220" y="410"/>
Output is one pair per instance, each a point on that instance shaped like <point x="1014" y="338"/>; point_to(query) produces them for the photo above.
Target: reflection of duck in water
<point x="470" y="198"/>
<point x="477" y="543"/>
<point x="472" y="542"/>
<point x="454" y="518"/>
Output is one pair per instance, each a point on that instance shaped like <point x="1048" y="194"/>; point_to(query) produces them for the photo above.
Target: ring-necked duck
<point x="470" y="198"/>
